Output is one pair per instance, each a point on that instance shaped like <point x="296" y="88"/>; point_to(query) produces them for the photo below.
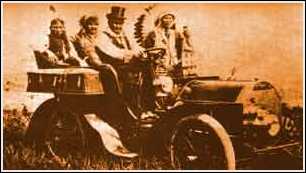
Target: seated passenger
<point x="116" y="114"/>
<point x="85" y="43"/>
<point x="57" y="51"/>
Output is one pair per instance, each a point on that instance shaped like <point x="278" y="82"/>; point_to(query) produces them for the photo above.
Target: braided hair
<point x="63" y="36"/>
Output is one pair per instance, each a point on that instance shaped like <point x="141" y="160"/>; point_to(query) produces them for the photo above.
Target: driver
<point x="110" y="52"/>
<point x="115" y="49"/>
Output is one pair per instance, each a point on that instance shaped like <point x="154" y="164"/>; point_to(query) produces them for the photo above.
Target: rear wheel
<point x="201" y="142"/>
<point x="56" y="130"/>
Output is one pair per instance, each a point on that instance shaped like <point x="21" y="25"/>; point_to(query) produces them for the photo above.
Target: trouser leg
<point x="109" y="79"/>
<point x="72" y="61"/>
<point x="116" y="103"/>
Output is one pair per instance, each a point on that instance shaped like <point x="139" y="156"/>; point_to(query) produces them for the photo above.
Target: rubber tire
<point x="218" y="129"/>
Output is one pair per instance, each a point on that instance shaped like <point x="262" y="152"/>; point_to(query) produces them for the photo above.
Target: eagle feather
<point x="139" y="26"/>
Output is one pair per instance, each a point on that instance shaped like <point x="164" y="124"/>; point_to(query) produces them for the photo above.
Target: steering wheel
<point x="155" y="52"/>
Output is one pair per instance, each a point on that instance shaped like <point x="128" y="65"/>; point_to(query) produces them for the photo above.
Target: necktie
<point x="120" y="40"/>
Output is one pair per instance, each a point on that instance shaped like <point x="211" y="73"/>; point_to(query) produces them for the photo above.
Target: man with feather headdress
<point x="165" y="35"/>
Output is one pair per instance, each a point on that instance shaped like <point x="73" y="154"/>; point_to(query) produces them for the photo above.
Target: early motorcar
<point x="204" y="122"/>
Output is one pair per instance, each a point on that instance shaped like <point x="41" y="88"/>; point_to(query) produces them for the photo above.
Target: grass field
<point x="18" y="156"/>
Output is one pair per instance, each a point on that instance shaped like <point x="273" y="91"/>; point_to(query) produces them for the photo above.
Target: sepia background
<point x="262" y="41"/>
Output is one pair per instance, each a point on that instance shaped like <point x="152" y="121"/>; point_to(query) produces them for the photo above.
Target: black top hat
<point x="117" y="13"/>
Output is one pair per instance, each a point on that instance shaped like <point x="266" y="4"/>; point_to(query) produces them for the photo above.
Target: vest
<point x="123" y="44"/>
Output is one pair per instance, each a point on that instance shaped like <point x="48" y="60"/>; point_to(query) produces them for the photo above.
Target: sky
<point x="262" y="41"/>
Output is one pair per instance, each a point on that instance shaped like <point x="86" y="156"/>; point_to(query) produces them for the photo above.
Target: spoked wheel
<point x="56" y="130"/>
<point x="65" y="135"/>
<point x="200" y="142"/>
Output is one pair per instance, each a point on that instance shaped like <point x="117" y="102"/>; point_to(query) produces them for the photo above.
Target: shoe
<point x="123" y="152"/>
<point x="148" y="115"/>
<point x="147" y="119"/>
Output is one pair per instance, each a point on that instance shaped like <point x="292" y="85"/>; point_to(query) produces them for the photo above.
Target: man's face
<point x="167" y="21"/>
<point x="92" y="28"/>
<point x="116" y="25"/>
<point x="57" y="29"/>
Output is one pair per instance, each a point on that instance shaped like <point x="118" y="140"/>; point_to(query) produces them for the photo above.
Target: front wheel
<point x="200" y="142"/>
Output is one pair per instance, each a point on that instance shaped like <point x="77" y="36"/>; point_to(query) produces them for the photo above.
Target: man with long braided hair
<point x="58" y="51"/>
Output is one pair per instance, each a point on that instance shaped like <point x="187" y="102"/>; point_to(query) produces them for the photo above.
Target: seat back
<point x="41" y="64"/>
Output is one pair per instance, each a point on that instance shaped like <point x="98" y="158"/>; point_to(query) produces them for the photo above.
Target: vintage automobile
<point x="204" y="122"/>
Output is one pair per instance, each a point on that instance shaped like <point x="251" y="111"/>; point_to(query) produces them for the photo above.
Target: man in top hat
<point x="113" y="43"/>
<point x="114" y="48"/>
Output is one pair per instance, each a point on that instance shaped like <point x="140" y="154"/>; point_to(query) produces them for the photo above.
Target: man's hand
<point x="186" y="32"/>
<point x="66" y="55"/>
<point x="83" y="63"/>
<point x="128" y="56"/>
<point x="139" y="52"/>
<point x="170" y="68"/>
<point x="50" y="57"/>
<point x="62" y="64"/>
